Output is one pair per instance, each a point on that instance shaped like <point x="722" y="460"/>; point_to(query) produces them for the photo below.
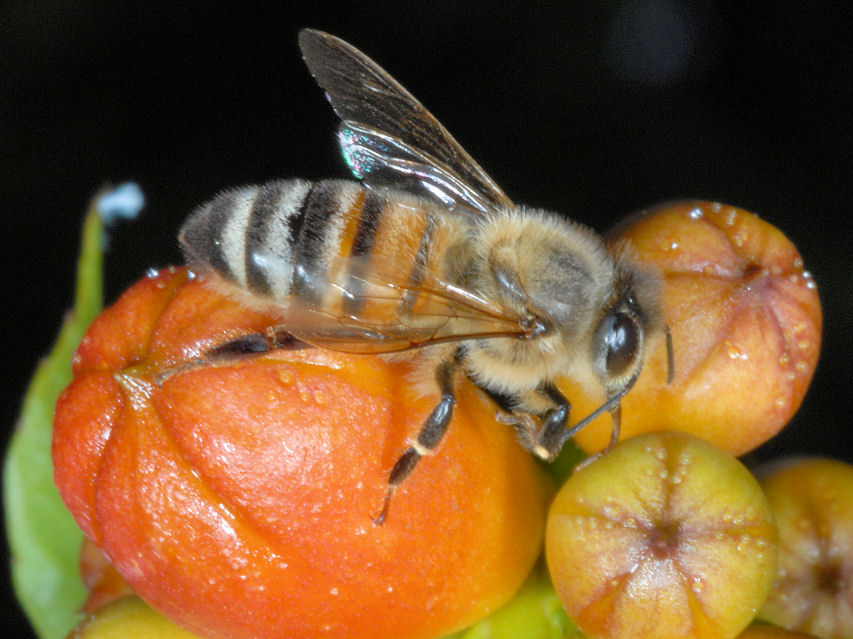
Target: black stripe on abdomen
<point x="365" y="234"/>
<point x="309" y="228"/>
<point x="202" y="234"/>
<point x="265" y="210"/>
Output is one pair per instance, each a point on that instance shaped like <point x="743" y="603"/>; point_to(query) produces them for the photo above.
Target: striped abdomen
<point x="293" y="241"/>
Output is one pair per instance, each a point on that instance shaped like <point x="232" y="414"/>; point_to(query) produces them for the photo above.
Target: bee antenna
<point x="610" y="405"/>
<point x="670" y="358"/>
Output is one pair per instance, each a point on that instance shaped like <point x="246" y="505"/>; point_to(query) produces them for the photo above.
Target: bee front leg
<point x="428" y="438"/>
<point x="550" y="436"/>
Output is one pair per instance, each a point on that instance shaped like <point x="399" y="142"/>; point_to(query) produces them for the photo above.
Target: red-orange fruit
<point x="812" y="502"/>
<point x="746" y="329"/>
<point x="237" y="499"/>
<point x="665" y="536"/>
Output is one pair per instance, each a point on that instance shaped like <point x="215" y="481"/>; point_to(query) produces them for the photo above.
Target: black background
<point x="590" y="108"/>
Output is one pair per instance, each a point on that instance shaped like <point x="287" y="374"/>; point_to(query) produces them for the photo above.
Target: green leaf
<point x="44" y="540"/>
<point x="534" y="613"/>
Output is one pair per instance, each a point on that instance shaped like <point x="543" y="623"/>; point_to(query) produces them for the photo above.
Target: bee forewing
<point x="387" y="136"/>
<point x="385" y="307"/>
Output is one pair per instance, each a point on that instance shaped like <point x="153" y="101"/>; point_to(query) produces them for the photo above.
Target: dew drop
<point x="663" y="474"/>
<point x="305" y="396"/>
<point x="801" y="367"/>
<point x="333" y="591"/>
<point x="775" y="270"/>
<point x="784" y="359"/>
<point x="696" y="214"/>
<point x="731" y="216"/>
<point x="285" y="377"/>
<point x="716" y="207"/>
<point x="735" y="353"/>
<point x="798" y="262"/>
<point x="319" y="397"/>
<point x="803" y="345"/>
<point x="780" y="402"/>
<point x="698" y="585"/>
<point x="673" y="245"/>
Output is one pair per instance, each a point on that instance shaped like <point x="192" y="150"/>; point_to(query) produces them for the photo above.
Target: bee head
<point x="620" y="340"/>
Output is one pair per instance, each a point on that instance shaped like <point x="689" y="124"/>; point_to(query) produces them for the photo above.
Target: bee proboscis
<point x="425" y="257"/>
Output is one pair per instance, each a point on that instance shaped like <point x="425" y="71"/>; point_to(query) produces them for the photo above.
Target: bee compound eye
<point x="623" y="342"/>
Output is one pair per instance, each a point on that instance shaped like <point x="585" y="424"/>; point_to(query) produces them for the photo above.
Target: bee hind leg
<point x="428" y="437"/>
<point x="237" y="348"/>
<point x="272" y="339"/>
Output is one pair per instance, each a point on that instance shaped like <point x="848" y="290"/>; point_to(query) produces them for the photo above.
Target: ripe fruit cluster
<point x="236" y="498"/>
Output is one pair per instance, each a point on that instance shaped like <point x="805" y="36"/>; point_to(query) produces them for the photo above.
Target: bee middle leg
<point x="428" y="438"/>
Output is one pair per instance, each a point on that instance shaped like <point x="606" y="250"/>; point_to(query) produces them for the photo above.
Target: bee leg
<point x="236" y="349"/>
<point x="550" y="437"/>
<point x="428" y="438"/>
<point x="273" y="338"/>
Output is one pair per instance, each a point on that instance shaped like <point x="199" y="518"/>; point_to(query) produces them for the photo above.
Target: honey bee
<point x="426" y="258"/>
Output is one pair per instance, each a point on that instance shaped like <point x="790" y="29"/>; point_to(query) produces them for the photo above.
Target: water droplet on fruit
<point x="735" y="353"/>
<point x="696" y="213"/>
<point x="319" y="397"/>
